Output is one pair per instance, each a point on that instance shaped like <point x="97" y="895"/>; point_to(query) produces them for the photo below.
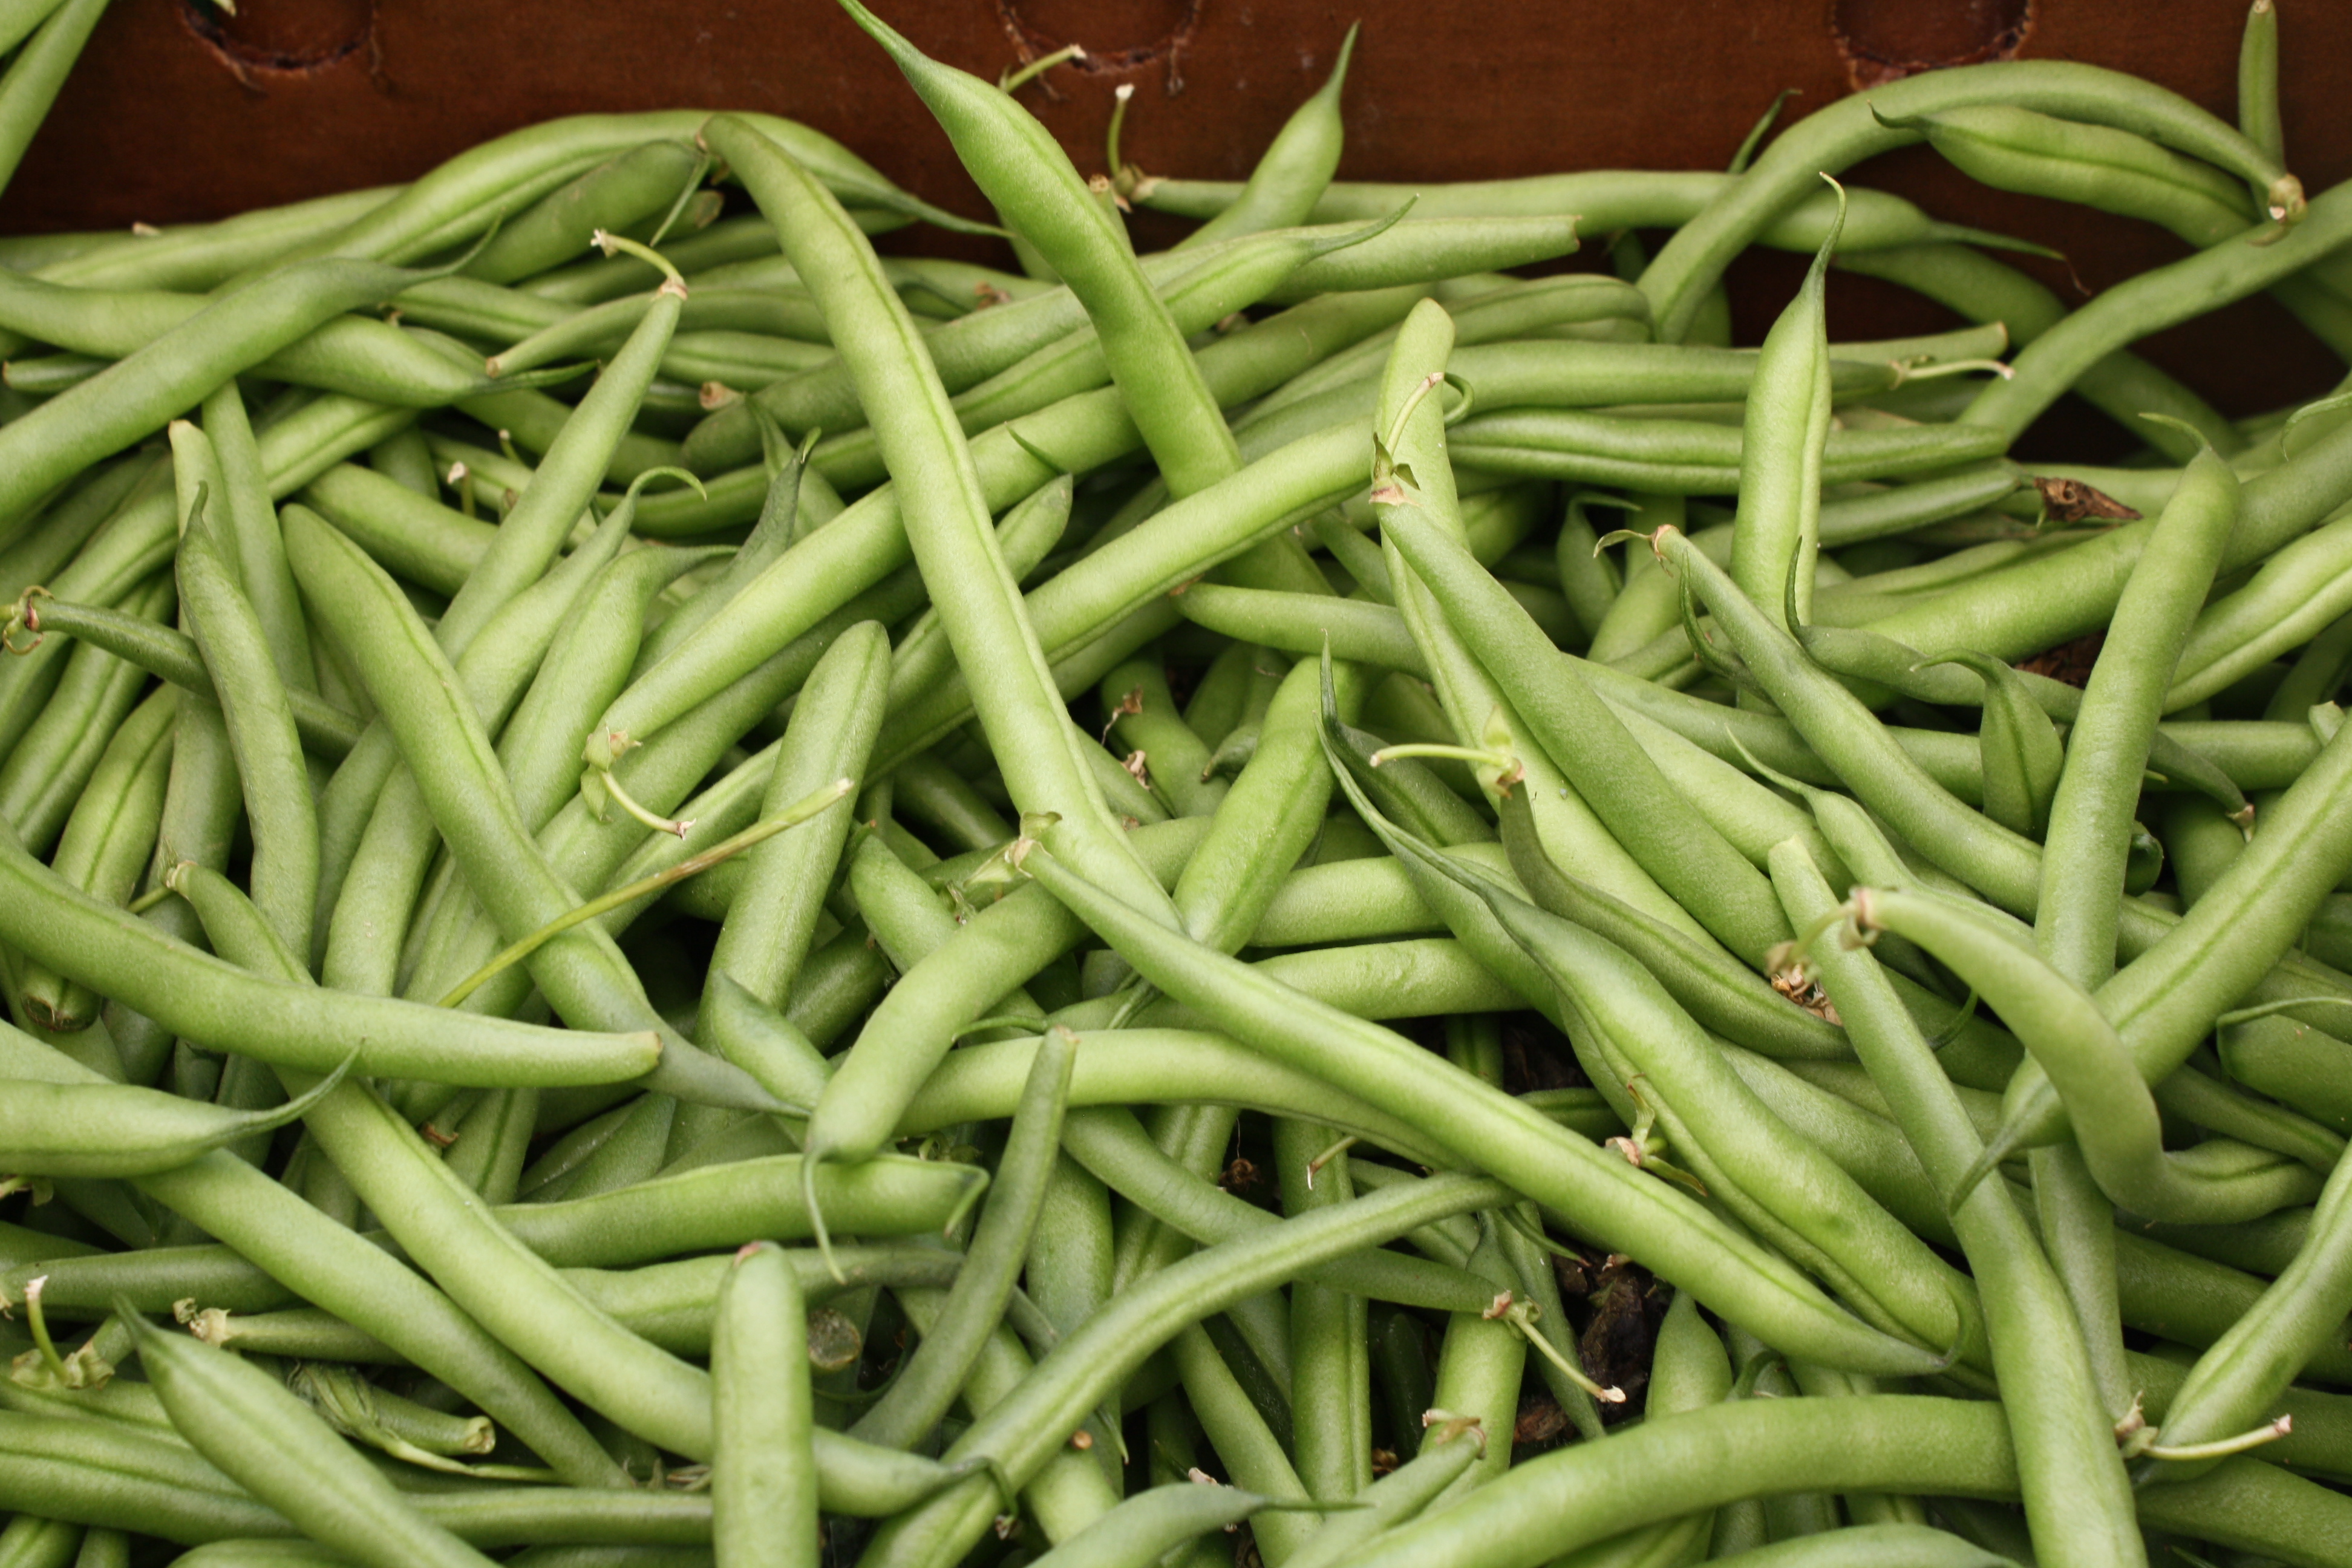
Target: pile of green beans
<point x="699" y="895"/>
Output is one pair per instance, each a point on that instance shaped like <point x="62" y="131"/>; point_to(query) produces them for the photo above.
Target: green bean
<point x="414" y="536"/>
<point x="105" y="849"/>
<point x="1397" y="1497"/>
<point x="551" y="501"/>
<point x="2292" y="599"/>
<point x="159" y="1486"/>
<point x="1606" y="200"/>
<point x="2242" y="1374"/>
<point x="1347" y="900"/>
<point x="1781" y="439"/>
<point x="1726" y="997"/>
<point x="1017" y="1434"/>
<point x="1091" y="428"/>
<point x="466" y="195"/>
<point x="1248" y="1429"/>
<point x="115" y="1130"/>
<point x="781" y="522"/>
<point x="1146" y="718"/>
<point x="1295" y="168"/>
<point x="534" y="422"/>
<point x="240" y="1418"/>
<point x="1195" y="302"/>
<point x="37" y="72"/>
<point x="769" y="929"/>
<point x="285" y="872"/>
<point x="2083" y="854"/>
<point x="501" y="1279"/>
<point x="2119" y="384"/>
<point x="1151" y="1523"/>
<point x="1155" y="1065"/>
<point x="562" y="334"/>
<point x="728" y="1206"/>
<point x="2074" y="1488"/>
<point x="1747" y="1158"/>
<point x="108" y="842"/>
<point x="966" y="352"/>
<point x="61" y="747"/>
<point x="32" y="1541"/>
<point x="248" y="528"/>
<point x="1881" y="660"/>
<point x="1430" y="250"/>
<point x="616" y="194"/>
<point x="202" y="255"/>
<point x="1691" y="455"/>
<point x="1894" y="1545"/>
<point x="1471" y="699"/>
<point x="376" y="835"/>
<point x="357" y="356"/>
<point x="2021" y="759"/>
<point x="945" y="517"/>
<point x="208" y="1001"/>
<point x="920" y="1396"/>
<point x="1600" y="759"/>
<point x="1528" y="1518"/>
<point x="2113" y="1114"/>
<point x="68" y="525"/>
<point x="2116" y="170"/>
<point x="1214" y="525"/>
<point x="1408" y="788"/>
<point x="1532" y="1155"/>
<point x="22" y="19"/>
<point x="1418" y="978"/>
<point x="1519" y="310"/>
<point x="1848" y="132"/>
<point x="422" y="698"/>
<point x="1073" y="1488"/>
<point x="584" y="667"/>
<point x="585" y="854"/>
<point x="1330" y="1385"/>
<point x="1834" y="721"/>
<point x="2167" y="997"/>
<point x="2258" y="100"/>
<point x="1108" y="1141"/>
<point x="633" y="1154"/>
<point x="2313" y="1446"/>
<point x="2154" y="299"/>
<point x="1560" y="374"/>
<point x="675" y="1304"/>
<point x="763" y="1491"/>
<point x="1023" y="172"/>
<point x="490" y="1142"/>
<point x="174" y="371"/>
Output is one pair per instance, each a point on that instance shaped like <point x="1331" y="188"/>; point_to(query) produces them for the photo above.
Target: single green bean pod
<point x="118" y="1130"/>
<point x="247" y="1422"/>
<point x="763" y="1470"/>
